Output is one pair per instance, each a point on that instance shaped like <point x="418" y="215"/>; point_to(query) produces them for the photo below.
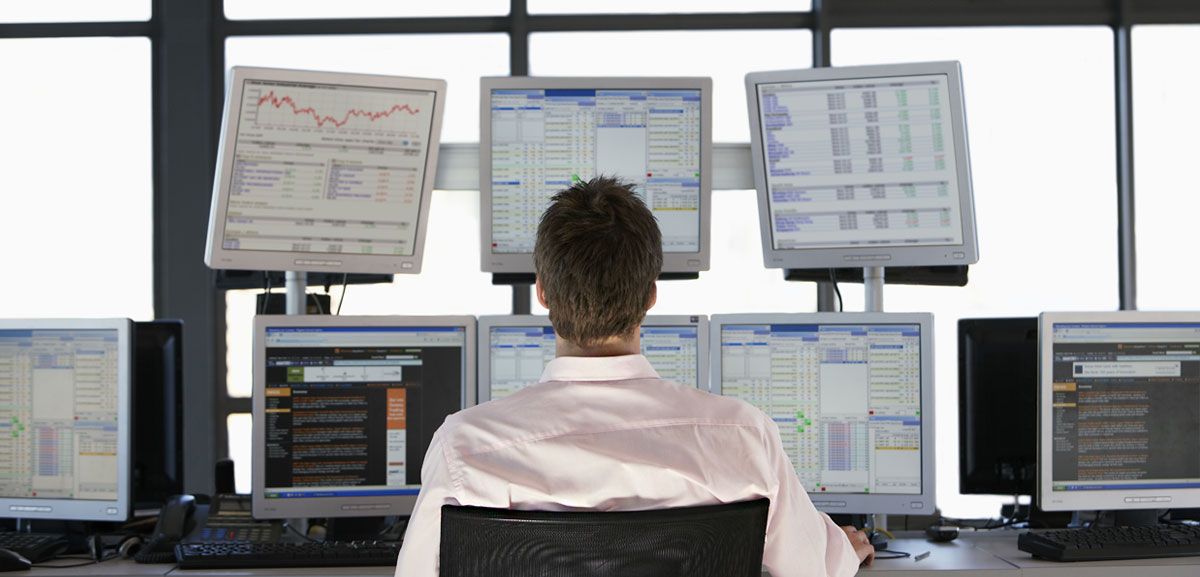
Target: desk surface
<point x="984" y="554"/>
<point x="1003" y="545"/>
<point x="958" y="557"/>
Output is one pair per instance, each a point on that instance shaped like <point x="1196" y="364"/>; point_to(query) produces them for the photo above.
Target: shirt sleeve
<point x="801" y="541"/>
<point x="422" y="538"/>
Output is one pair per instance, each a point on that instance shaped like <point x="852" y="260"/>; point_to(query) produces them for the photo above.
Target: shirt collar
<point x="618" y="368"/>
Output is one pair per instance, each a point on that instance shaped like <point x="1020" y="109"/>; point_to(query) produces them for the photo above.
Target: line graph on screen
<point x="337" y="109"/>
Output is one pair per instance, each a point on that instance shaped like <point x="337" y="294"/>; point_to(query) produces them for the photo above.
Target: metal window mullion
<point x="76" y="29"/>
<point x="1126" y="248"/>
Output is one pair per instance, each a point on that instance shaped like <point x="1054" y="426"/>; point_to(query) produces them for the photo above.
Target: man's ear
<point x="653" y="296"/>
<point x="541" y="293"/>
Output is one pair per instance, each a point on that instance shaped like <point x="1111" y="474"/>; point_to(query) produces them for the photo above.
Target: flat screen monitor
<point x="344" y="409"/>
<point x="324" y="172"/>
<point x="852" y="394"/>
<point x="540" y="135"/>
<point x="997" y="406"/>
<point x="66" y="409"/>
<point x="515" y="349"/>
<point x="862" y="166"/>
<point x="158" y="413"/>
<point x="1119" y="410"/>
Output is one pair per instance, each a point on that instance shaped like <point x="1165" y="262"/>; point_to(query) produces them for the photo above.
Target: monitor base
<point x="528" y="278"/>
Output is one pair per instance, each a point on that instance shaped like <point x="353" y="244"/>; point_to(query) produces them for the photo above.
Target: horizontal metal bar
<point x="458" y="166"/>
<point x="75" y="29"/>
<point x="363" y="26"/>
<point x="605" y="22"/>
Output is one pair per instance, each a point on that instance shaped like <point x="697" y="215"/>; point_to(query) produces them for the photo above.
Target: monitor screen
<point x="1119" y="402"/>
<point x="67" y="396"/>
<point x="852" y="396"/>
<point x="997" y="391"/>
<point x="541" y="135"/>
<point x="862" y="166"/>
<point x="324" y="172"/>
<point x="345" y="407"/>
<point x="518" y="348"/>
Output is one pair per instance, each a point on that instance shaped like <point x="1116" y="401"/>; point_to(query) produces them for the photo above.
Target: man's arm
<point x="801" y="541"/>
<point x="423" y="538"/>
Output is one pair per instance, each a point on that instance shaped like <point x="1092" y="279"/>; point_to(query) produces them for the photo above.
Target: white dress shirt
<point x="606" y="433"/>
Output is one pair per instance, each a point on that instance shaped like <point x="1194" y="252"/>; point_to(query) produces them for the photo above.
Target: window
<point x="303" y="9"/>
<point x="1039" y="116"/>
<point x="77" y="223"/>
<point x="666" y="6"/>
<point x="1165" y="150"/>
<point x="726" y="56"/>
<point x="75" y="11"/>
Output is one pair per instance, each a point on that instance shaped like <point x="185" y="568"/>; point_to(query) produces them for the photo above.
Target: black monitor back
<point x="997" y="406"/>
<point x="158" y="412"/>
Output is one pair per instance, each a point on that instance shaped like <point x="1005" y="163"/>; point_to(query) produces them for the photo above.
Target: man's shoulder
<point x="563" y="406"/>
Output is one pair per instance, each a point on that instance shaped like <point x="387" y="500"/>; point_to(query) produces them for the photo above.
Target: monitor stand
<point x="1136" y="518"/>
<point x="356" y="528"/>
<point x="296" y="283"/>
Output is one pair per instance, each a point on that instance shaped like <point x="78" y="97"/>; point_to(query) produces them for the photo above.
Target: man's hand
<point x="862" y="545"/>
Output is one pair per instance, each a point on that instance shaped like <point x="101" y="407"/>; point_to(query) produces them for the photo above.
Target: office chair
<point x="705" y="541"/>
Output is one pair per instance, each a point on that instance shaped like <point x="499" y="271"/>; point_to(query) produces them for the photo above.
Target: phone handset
<point x="176" y="519"/>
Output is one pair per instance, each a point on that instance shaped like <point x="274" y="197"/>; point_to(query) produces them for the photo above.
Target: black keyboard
<point x="36" y="547"/>
<point x="235" y="555"/>
<point x="1095" y="544"/>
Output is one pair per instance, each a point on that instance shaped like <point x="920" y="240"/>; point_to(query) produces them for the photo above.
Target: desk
<point x="1003" y="545"/>
<point x="983" y="554"/>
<point x="105" y="569"/>
<point x="958" y="557"/>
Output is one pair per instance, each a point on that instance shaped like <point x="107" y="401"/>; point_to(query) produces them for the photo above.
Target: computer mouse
<point x="12" y="561"/>
<point x="941" y="533"/>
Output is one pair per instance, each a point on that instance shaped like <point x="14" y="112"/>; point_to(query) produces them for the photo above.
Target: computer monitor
<point x="539" y="135"/>
<point x="515" y="349"/>
<point x="67" y="397"/>
<point x="324" y="172"/>
<point x="997" y="406"/>
<point x="344" y="409"/>
<point x="852" y="394"/>
<point x="1119" y="410"/>
<point x="862" y="166"/>
<point x="158" y="412"/>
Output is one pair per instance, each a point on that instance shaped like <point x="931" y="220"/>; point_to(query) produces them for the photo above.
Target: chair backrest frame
<point x="723" y="540"/>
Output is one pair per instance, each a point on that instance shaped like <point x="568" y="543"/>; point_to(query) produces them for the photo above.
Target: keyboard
<point x="36" y="547"/>
<point x="234" y="555"/>
<point x="1095" y="544"/>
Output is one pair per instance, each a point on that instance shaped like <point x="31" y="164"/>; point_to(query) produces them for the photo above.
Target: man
<point x="602" y="431"/>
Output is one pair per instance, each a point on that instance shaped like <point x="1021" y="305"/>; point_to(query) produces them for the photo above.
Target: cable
<point x="836" y="290"/>
<point x="316" y="301"/>
<point x="90" y="561"/>
<point x="267" y="287"/>
<point x="895" y="554"/>
<point x="343" y="297"/>
<point x="289" y="527"/>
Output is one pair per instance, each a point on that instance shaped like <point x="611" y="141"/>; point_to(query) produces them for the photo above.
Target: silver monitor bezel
<point x="856" y="503"/>
<point x="337" y="506"/>
<point x="523" y="262"/>
<point x="487" y="322"/>
<point x="91" y="509"/>
<point x="1098" y="499"/>
<point x="894" y="255"/>
<point x="218" y="257"/>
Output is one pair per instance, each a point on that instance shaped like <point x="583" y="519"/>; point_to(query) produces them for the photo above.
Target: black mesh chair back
<point x="706" y="541"/>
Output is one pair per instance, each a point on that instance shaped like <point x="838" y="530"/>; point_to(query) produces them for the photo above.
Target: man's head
<point x="598" y="254"/>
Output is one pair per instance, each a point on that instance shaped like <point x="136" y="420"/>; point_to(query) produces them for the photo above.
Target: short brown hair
<point x="598" y="254"/>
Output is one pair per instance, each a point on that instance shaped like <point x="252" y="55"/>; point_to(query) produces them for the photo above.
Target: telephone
<point x="228" y="518"/>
